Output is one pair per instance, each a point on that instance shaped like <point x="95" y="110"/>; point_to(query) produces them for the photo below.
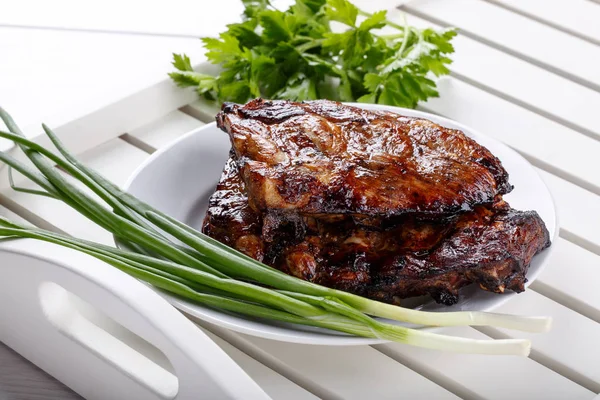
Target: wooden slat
<point x="578" y="212"/>
<point x="272" y="383"/>
<point x="516" y="34"/>
<point x="164" y="131"/>
<point x="202" y="109"/>
<point x="529" y="85"/>
<point x="476" y="376"/>
<point x="571" y="279"/>
<point x="355" y="372"/>
<point x="52" y="213"/>
<point x="569" y="347"/>
<point x="6" y="213"/>
<point x="577" y="17"/>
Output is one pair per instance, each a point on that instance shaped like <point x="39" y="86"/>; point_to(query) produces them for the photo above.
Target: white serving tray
<point x="130" y="345"/>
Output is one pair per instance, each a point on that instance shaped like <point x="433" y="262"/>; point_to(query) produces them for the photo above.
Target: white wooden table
<point x="526" y="72"/>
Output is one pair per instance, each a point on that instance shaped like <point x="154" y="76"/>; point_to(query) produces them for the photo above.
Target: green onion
<point x="331" y="314"/>
<point x="238" y="264"/>
<point x="210" y="273"/>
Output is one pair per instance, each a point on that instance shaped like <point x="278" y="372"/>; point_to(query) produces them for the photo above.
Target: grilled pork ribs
<point x="370" y="202"/>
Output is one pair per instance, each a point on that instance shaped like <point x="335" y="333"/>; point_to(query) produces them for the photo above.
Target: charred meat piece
<point x="405" y="256"/>
<point x="323" y="157"/>
<point x="229" y="218"/>
<point x="492" y="248"/>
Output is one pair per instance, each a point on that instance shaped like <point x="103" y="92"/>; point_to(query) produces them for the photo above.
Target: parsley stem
<point x="394" y="36"/>
<point x="406" y="36"/>
<point x="310" y="45"/>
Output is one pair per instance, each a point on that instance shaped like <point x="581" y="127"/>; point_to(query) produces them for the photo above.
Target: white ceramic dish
<point x="179" y="179"/>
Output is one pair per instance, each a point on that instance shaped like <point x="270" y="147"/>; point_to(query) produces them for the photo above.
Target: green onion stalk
<point x="205" y="271"/>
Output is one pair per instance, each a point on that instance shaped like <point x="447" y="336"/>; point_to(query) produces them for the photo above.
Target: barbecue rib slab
<point x="323" y="157"/>
<point x="492" y="246"/>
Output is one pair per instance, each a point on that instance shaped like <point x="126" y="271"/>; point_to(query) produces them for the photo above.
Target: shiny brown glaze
<point x="229" y="218"/>
<point x="323" y="157"/>
<point x="490" y="247"/>
<point x="388" y="259"/>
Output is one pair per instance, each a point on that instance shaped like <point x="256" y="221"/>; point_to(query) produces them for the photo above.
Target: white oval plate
<point x="179" y="179"/>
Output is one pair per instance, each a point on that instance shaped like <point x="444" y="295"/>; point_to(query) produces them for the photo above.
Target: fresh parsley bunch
<point x="295" y="55"/>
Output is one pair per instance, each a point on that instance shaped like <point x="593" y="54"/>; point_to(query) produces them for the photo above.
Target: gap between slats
<point x="548" y="362"/>
<point x="507" y="50"/>
<point x="544" y="21"/>
<point x="568" y="301"/>
<point x="27" y="215"/>
<point x="268" y="360"/>
<point x="580" y="241"/>
<point x="557" y="172"/>
<point x="447" y="383"/>
<point x="135" y="142"/>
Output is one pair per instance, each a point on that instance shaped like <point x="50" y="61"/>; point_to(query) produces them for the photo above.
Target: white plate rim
<point x="216" y="317"/>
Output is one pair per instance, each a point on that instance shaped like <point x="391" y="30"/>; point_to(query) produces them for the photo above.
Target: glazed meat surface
<point x="405" y="256"/>
<point x="229" y="218"/>
<point x="323" y="157"/>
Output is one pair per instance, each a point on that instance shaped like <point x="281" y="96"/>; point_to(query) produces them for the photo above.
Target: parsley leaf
<point x="245" y="33"/>
<point x="375" y="21"/>
<point x="275" y="26"/>
<point x="225" y="50"/>
<point x="294" y="54"/>
<point x="342" y="11"/>
<point x="182" y="62"/>
<point x="253" y="7"/>
<point x="313" y="6"/>
<point x="300" y="88"/>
